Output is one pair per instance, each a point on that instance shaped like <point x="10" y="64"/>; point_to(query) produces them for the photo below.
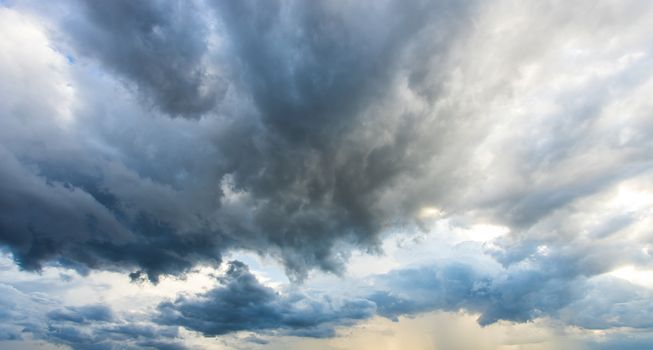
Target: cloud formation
<point x="516" y="294"/>
<point x="160" y="47"/>
<point x="338" y="122"/>
<point x="151" y="138"/>
<point x="38" y="316"/>
<point x="289" y="164"/>
<point x="242" y="303"/>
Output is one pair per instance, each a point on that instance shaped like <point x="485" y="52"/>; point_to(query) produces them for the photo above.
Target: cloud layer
<point x="242" y="303"/>
<point x="289" y="158"/>
<point x="152" y="138"/>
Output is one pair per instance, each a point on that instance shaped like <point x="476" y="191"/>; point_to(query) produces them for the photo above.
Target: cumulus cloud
<point x="289" y="164"/>
<point x="242" y="303"/>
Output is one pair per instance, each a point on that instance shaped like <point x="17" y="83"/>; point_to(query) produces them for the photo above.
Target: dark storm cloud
<point x="312" y="68"/>
<point x="242" y="303"/>
<point x="309" y="128"/>
<point x="289" y="164"/>
<point x="314" y="171"/>
<point x="78" y="226"/>
<point x="160" y="47"/>
<point x="338" y="120"/>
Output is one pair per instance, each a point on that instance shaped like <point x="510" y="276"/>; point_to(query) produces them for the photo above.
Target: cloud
<point x="284" y="165"/>
<point x="316" y="166"/>
<point x="151" y="138"/>
<point x="85" y="314"/>
<point x="242" y="303"/>
<point x="517" y="294"/>
<point x="160" y="47"/>
<point x="96" y="326"/>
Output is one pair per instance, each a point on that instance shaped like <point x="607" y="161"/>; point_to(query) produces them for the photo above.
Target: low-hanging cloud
<point x="88" y="327"/>
<point x="242" y="303"/>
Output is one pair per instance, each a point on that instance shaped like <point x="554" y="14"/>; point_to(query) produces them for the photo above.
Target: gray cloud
<point x="340" y="121"/>
<point x="316" y="168"/>
<point x="79" y="327"/>
<point x="85" y="314"/>
<point x="518" y="294"/>
<point x="310" y="130"/>
<point x="160" y="47"/>
<point x="242" y="303"/>
<point x="287" y="165"/>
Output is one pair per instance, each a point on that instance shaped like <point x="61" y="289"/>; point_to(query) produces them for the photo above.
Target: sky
<point x="326" y="175"/>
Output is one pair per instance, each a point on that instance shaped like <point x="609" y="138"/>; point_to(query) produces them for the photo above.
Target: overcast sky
<point x="286" y="174"/>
